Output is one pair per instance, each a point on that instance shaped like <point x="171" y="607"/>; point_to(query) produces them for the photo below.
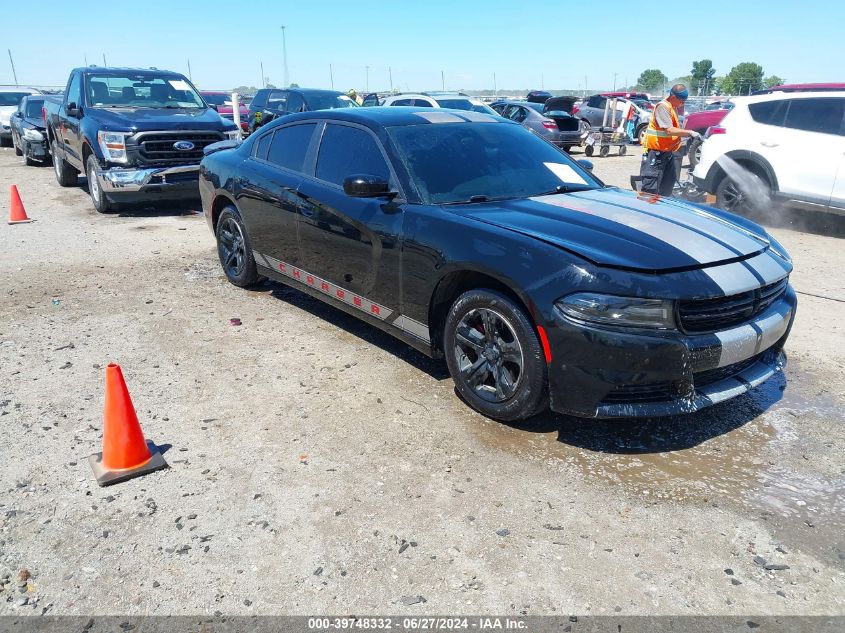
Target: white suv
<point x="788" y="147"/>
<point x="439" y="100"/>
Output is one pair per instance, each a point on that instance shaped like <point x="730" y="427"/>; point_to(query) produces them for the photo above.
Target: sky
<point x="553" y="45"/>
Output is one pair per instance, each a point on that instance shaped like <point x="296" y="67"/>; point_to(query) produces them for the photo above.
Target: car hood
<point x="622" y="229"/>
<point x="6" y="112"/>
<point x="145" y="119"/>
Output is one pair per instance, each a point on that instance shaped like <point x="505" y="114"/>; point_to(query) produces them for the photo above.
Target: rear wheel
<point x="747" y="194"/>
<point x="694" y="152"/>
<point x="65" y="174"/>
<point x="101" y="204"/>
<point x="494" y="356"/>
<point x="235" y="250"/>
<point x="639" y="134"/>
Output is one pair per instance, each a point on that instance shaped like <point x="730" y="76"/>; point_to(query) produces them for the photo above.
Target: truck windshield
<point x="480" y="162"/>
<point x="141" y="91"/>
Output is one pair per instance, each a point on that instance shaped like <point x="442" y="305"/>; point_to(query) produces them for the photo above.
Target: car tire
<point x="694" y="152"/>
<point x="18" y="150"/>
<point x="731" y="197"/>
<point x="66" y="175"/>
<point x="502" y="375"/>
<point x="98" y="198"/>
<point x="235" y="250"/>
<point x="639" y="134"/>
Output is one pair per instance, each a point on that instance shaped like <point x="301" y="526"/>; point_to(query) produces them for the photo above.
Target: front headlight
<point x="233" y="135"/>
<point x="618" y="311"/>
<point x="113" y="145"/>
<point x="32" y="135"/>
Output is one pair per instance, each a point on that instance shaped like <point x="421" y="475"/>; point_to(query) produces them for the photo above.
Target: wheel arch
<point x="458" y="281"/>
<point x="752" y="161"/>
<point x="221" y="201"/>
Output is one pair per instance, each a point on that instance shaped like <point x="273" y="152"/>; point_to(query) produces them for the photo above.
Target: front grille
<point x="708" y="315"/>
<point x="156" y="148"/>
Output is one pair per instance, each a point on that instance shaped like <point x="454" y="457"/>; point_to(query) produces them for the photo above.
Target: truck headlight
<point x="619" y="311"/>
<point x="33" y="135"/>
<point x="113" y="145"/>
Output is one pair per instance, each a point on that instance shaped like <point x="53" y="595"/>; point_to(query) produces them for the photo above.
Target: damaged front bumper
<point x="605" y="373"/>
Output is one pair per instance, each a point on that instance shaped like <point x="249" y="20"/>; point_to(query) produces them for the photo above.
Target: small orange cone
<point x="125" y="452"/>
<point x="17" y="214"/>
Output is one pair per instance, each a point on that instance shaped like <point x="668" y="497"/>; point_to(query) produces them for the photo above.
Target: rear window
<point x="260" y="150"/>
<point x="816" y="115"/>
<point x="346" y="151"/>
<point x="290" y="145"/>
<point x="769" y="112"/>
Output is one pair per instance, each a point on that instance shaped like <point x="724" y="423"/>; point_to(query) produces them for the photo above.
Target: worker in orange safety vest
<point x="662" y="139"/>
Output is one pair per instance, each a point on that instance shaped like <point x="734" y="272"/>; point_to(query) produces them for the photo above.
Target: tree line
<point x="743" y="79"/>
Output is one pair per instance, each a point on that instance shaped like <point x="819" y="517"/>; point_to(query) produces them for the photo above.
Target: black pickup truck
<point x="136" y="134"/>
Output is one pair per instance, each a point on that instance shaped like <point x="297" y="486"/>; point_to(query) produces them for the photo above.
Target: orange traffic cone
<point x="17" y="214"/>
<point x="125" y="452"/>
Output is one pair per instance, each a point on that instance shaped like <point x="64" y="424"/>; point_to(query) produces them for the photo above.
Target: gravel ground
<point x="318" y="465"/>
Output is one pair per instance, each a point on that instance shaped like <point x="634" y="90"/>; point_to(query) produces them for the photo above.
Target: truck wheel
<point x="65" y="174"/>
<point x="494" y="356"/>
<point x="101" y="204"/>
<point x="235" y="250"/>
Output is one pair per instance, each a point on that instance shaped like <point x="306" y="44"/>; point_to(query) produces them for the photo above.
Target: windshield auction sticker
<point x="565" y="173"/>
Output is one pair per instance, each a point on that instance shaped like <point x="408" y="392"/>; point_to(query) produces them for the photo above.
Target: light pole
<point x="285" y="59"/>
<point x="367" y="80"/>
<point x="12" y="62"/>
<point x="614" y="82"/>
<point x="263" y="83"/>
<point x="443" y="80"/>
<point x="331" y="76"/>
<point x="495" y="87"/>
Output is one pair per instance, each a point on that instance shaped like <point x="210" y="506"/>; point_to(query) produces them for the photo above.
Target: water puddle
<point x="746" y="453"/>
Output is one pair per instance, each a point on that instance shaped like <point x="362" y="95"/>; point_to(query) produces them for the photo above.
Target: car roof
<point x="21" y="89"/>
<point x="313" y="91"/>
<point x="409" y="95"/>
<point x="214" y="92"/>
<point x="777" y="96"/>
<point x="392" y="116"/>
<point x="118" y="70"/>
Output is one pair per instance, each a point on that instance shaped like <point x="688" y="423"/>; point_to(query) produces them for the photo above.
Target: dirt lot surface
<point x="318" y="465"/>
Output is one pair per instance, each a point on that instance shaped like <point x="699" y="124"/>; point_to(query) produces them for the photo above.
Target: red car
<point x="222" y="102"/>
<point x="700" y="122"/>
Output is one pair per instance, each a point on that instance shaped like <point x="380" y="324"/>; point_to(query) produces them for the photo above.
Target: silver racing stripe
<point x="700" y="248"/>
<point x="749" y="274"/>
<point x="752" y="338"/>
<point x="328" y="288"/>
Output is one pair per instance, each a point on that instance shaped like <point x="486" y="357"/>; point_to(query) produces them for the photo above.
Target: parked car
<point x="10" y="99"/>
<point x="269" y="103"/>
<point x="555" y="125"/>
<point x="467" y="236"/>
<point x="784" y="146"/>
<point x="592" y="111"/>
<point x="136" y="134"/>
<point x="700" y="121"/>
<point x="538" y="96"/>
<point x="222" y="102"/>
<point x="450" y="100"/>
<point x="29" y="136"/>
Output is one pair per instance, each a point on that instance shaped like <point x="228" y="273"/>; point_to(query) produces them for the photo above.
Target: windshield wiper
<point x="474" y="199"/>
<point x="562" y="189"/>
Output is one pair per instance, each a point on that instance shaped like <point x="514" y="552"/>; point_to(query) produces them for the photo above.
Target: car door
<point x="837" y="196"/>
<point x="810" y="125"/>
<point x="351" y="243"/>
<point x="267" y="198"/>
<point x="69" y="131"/>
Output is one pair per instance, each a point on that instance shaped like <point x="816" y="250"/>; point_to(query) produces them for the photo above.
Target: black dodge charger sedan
<point x="467" y="236"/>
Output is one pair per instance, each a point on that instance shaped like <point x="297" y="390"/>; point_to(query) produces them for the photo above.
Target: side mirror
<point x="72" y="109"/>
<point x="586" y="164"/>
<point x="364" y="186"/>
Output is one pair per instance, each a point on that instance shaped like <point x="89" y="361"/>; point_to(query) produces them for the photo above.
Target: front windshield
<point x="33" y="108"/>
<point x="217" y="99"/>
<point x="454" y="162"/>
<point x="141" y="91"/>
<point x="12" y="98"/>
<point x="329" y="101"/>
<point x="464" y="104"/>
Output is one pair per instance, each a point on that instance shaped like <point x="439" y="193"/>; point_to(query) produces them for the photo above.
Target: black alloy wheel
<point x="234" y="250"/>
<point x="494" y="356"/>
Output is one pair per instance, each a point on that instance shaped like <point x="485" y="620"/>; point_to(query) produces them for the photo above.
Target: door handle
<point x="768" y="144"/>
